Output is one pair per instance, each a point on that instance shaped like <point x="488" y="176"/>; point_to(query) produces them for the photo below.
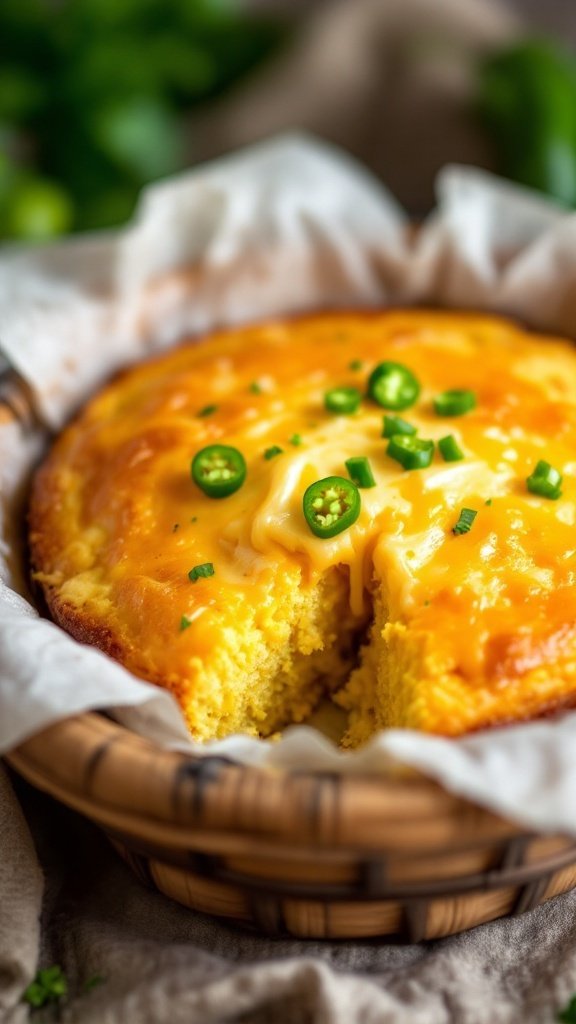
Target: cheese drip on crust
<point x="404" y="621"/>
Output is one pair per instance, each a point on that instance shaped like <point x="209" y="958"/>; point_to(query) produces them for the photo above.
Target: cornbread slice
<point x="242" y="611"/>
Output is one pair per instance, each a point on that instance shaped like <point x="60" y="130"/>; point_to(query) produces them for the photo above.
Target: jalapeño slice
<point x="393" y="386"/>
<point x="331" y="505"/>
<point x="219" y="470"/>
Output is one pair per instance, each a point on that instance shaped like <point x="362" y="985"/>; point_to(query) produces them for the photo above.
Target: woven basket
<point x="314" y="855"/>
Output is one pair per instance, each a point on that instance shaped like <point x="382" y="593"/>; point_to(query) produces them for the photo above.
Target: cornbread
<point x="438" y="595"/>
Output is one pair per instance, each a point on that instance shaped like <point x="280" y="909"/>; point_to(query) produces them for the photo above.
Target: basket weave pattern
<point x="314" y="855"/>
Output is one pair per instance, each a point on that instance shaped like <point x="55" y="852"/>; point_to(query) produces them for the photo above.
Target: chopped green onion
<point x="331" y="505"/>
<point x="207" y="410"/>
<point x="194" y="519"/>
<point x="201" y="572"/>
<point x="219" y="470"/>
<point x="465" y="520"/>
<point x="489" y="502"/>
<point x="393" y="386"/>
<point x="449" y="449"/>
<point x="255" y="388"/>
<point x="545" y="481"/>
<point x="342" y="400"/>
<point x="360" y="471"/>
<point x="356" y="364"/>
<point x="185" y="622"/>
<point x="392" y="425"/>
<point x="455" y="402"/>
<point x="296" y="440"/>
<point x="410" y="451"/>
<point x="273" y="451"/>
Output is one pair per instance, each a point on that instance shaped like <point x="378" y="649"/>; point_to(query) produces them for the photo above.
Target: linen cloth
<point x="161" y="963"/>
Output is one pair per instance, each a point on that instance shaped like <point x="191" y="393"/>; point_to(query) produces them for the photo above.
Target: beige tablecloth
<point x="163" y="964"/>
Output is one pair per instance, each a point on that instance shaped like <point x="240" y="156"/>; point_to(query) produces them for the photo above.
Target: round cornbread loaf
<point x="404" y="621"/>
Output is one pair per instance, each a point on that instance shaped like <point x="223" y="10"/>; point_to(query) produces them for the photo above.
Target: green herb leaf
<point x="202" y="571"/>
<point x="255" y="388"/>
<point x="296" y="440"/>
<point x="49" y="986"/>
<point x="207" y="410"/>
<point x="185" y="622"/>
<point x="356" y="364"/>
<point x="272" y="452"/>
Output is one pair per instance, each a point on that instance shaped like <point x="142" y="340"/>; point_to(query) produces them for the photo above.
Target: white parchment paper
<point x="288" y="225"/>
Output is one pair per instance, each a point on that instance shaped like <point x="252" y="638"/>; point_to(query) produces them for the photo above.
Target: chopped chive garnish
<point x="185" y="622"/>
<point x="201" y="572"/>
<point x="489" y="502"/>
<point x="356" y="364"/>
<point x="194" y="519"/>
<point x="455" y="402"/>
<point x="296" y="440"/>
<point x="342" y="400"/>
<point x="360" y="471"/>
<point x="393" y="386"/>
<point x="465" y="520"/>
<point x="545" y="481"/>
<point x="272" y="452"/>
<point x="449" y="449"/>
<point x="207" y="410"/>
<point x="392" y="425"/>
<point x="175" y="527"/>
<point x="410" y="451"/>
<point x="255" y="388"/>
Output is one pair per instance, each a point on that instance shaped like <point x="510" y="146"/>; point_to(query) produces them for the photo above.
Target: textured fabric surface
<point x="163" y="964"/>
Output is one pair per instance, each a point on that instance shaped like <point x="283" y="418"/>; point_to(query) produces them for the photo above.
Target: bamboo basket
<point x="314" y="855"/>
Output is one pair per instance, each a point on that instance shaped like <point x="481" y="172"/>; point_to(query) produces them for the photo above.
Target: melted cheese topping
<point x="118" y="522"/>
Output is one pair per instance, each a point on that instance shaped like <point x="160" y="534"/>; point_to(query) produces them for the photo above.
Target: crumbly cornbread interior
<point x="402" y="621"/>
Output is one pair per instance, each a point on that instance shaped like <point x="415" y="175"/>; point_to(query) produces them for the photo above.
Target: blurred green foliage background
<point x="527" y="104"/>
<point x="93" y="96"/>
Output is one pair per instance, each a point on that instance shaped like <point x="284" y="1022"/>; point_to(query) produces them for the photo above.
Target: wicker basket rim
<point x="121" y="779"/>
